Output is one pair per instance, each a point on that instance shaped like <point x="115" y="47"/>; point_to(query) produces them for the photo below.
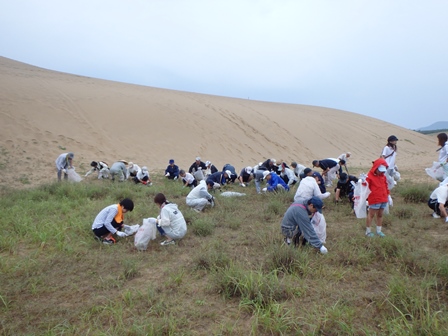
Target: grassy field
<point x="231" y="274"/>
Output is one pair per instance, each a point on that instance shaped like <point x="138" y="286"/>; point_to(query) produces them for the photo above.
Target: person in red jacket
<point x="378" y="197"/>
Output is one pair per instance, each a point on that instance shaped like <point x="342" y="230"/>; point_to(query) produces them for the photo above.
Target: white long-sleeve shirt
<point x="308" y="188"/>
<point x="172" y="218"/>
<point x="105" y="218"/>
<point x="200" y="191"/>
<point x="291" y="176"/>
<point x="62" y="161"/>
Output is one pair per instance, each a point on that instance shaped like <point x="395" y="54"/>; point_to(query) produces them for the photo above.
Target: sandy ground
<point x="44" y="113"/>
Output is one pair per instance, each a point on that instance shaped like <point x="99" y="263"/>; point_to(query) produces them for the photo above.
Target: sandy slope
<point x="44" y="113"/>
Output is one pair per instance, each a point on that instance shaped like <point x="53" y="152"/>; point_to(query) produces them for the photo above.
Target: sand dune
<point x="44" y="113"/>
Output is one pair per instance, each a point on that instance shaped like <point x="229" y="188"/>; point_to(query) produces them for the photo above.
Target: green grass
<point x="230" y="275"/>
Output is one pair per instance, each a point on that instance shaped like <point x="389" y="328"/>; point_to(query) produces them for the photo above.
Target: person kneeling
<point x="170" y="222"/>
<point x="109" y="221"/>
<point x="199" y="197"/>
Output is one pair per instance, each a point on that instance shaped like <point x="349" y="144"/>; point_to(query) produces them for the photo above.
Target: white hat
<point x="124" y="161"/>
<point x="266" y="173"/>
<point x="249" y="170"/>
<point x="274" y="161"/>
<point x="208" y="163"/>
<point x="229" y="173"/>
<point x="144" y="168"/>
<point x="131" y="164"/>
<point x="382" y="168"/>
<point x="198" y="158"/>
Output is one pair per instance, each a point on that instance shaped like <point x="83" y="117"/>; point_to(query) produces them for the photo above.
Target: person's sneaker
<point x="168" y="242"/>
<point x="242" y="184"/>
<point x="287" y="241"/>
<point x="435" y="215"/>
<point x="370" y="234"/>
<point x="323" y="250"/>
<point x="380" y="234"/>
<point x="108" y="241"/>
<point x="197" y="210"/>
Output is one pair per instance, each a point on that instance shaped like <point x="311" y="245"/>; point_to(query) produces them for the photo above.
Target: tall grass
<point x="230" y="275"/>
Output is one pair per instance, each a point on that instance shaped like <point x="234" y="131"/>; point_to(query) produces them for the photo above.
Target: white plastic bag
<point x="199" y="175"/>
<point x="145" y="233"/>
<point x="437" y="171"/>
<point x="232" y="194"/>
<point x="360" y="194"/>
<point x="131" y="229"/>
<point x="320" y="226"/>
<point x="73" y="176"/>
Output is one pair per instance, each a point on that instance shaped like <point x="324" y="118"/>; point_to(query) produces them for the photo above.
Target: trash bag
<point x="360" y="194"/>
<point x="320" y="226"/>
<point x="146" y="232"/>
<point x="73" y="176"/>
<point x="199" y="175"/>
<point x="232" y="194"/>
<point x="437" y="171"/>
<point x="131" y="229"/>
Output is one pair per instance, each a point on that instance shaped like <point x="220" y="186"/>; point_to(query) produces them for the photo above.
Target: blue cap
<point x="171" y="161"/>
<point x="317" y="203"/>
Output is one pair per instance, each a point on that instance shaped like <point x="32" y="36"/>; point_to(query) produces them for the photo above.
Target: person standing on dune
<point x="64" y="162"/>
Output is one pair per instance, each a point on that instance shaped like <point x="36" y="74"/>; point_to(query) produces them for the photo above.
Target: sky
<point x="386" y="59"/>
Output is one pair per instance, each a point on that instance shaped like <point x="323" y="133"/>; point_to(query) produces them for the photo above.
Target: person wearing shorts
<point x="378" y="197"/>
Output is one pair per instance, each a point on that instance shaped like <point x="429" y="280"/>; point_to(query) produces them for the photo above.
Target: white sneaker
<point x="242" y="184"/>
<point x="435" y="215"/>
<point x="323" y="250"/>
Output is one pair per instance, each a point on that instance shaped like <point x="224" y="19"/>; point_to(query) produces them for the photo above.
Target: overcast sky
<point x="383" y="58"/>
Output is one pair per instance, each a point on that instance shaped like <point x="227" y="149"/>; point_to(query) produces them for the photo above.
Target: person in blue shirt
<point x="275" y="182"/>
<point x="172" y="171"/>
<point x="330" y="169"/>
<point x="217" y="179"/>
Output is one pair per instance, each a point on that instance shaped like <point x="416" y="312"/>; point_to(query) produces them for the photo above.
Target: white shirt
<point x="440" y="193"/>
<point x="141" y="174"/>
<point x="200" y="191"/>
<point x="188" y="178"/>
<point x="308" y="188"/>
<point x="105" y="218"/>
<point x="443" y="153"/>
<point x="390" y="159"/>
<point x="290" y="174"/>
<point x="170" y="216"/>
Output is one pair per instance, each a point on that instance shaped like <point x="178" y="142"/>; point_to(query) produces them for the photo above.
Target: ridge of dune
<point x="44" y="113"/>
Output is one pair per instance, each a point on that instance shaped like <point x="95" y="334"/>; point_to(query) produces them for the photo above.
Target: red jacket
<point x="379" y="191"/>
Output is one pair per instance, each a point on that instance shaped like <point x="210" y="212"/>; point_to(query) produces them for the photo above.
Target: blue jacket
<point x="274" y="181"/>
<point x="217" y="177"/>
<point x="173" y="170"/>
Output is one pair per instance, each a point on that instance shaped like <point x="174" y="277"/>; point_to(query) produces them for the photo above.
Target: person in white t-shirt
<point x="390" y="154"/>
<point x="188" y="179"/>
<point x="438" y="201"/>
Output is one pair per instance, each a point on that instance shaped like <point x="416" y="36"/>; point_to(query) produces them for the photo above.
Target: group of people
<point x="304" y="216"/>
<point x="110" y="221"/>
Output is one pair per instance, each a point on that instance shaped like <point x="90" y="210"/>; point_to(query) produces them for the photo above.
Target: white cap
<point x="229" y="173"/>
<point x="131" y="164"/>
<point x="249" y="169"/>
<point x="144" y="168"/>
<point x="198" y="158"/>
<point x="382" y="168"/>
<point x="208" y="163"/>
<point x="266" y="173"/>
